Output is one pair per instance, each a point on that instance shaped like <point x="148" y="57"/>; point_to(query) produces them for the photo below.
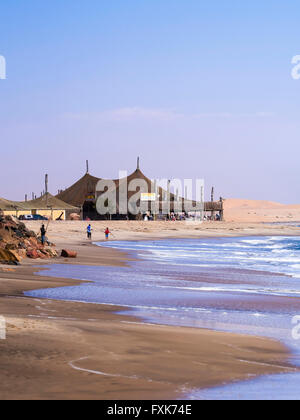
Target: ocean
<point x="244" y="285"/>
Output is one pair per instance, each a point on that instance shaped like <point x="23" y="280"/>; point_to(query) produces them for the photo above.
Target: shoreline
<point x="147" y="361"/>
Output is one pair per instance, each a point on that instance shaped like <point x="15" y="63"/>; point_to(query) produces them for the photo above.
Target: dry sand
<point x="72" y="234"/>
<point x="67" y="350"/>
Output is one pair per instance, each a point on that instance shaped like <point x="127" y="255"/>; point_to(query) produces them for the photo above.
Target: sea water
<point x="243" y="285"/>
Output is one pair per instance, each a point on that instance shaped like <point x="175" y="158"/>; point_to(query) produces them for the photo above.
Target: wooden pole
<point x="169" y="197"/>
<point x="46" y="188"/>
<point x="202" y="203"/>
<point x="212" y="200"/>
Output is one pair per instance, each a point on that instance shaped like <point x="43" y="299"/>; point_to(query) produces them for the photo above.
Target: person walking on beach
<point x="89" y="231"/>
<point x="43" y="234"/>
<point x="107" y="233"/>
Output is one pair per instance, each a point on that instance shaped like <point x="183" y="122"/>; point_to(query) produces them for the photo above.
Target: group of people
<point x="107" y="231"/>
<point x="216" y="218"/>
<point x="43" y="232"/>
<point x="89" y="232"/>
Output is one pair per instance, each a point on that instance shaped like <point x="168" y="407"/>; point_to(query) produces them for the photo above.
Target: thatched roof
<point x="138" y="175"/>
<point x="7" y="205"/>
<point x="85" y="188"/>
<point x="78" y="193"/>
<point x="47" y="201"/>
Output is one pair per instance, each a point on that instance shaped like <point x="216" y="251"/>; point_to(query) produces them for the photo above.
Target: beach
<point x="72" y="350"/>
<point x="149" y="217"/>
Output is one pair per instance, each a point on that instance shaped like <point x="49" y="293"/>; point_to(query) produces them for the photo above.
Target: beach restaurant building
<point x="83" y="195"/>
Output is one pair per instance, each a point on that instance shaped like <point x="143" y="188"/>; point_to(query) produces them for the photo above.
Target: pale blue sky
<point x="196" y="88"/>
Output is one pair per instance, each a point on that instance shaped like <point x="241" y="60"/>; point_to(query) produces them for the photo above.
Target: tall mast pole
<point x="46" y="188"/>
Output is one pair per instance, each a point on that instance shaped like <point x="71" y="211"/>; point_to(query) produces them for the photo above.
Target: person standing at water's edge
<point x="43" y="234"/>
<point x="89" y="232"/>
<point x="107" y="233"/>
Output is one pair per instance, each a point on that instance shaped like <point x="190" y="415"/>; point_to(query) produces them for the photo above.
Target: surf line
<point x="115" y="375"/>
<point x="96" y="372"/>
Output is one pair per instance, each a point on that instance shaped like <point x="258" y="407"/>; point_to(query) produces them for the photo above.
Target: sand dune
<point x="234" y="203"/>
<point x="238" y="210"/>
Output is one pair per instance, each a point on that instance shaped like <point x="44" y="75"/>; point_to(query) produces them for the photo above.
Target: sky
<point x="197" y="89"/>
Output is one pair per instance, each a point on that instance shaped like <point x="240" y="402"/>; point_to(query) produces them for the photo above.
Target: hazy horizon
<point x="196" y="89"/>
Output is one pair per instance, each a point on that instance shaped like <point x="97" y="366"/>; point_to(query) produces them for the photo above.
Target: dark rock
<point x="8" y="257"/>
<point x="33" y="254"/>
<point x="66" y="253"/>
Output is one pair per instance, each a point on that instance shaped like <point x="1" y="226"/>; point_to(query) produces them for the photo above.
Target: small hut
<point x="51" y="207"/>
<point x="13" y="208"/>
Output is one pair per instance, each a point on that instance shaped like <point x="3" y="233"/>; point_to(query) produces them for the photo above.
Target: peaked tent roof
<point x="138" y="175"/>
<point x="77" y="194"/>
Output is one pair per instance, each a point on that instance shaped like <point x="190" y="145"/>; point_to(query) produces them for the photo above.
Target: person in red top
<point x="107" y="232"/>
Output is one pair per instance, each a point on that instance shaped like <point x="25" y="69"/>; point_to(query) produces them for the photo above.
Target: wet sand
<point x="69" y="350"/>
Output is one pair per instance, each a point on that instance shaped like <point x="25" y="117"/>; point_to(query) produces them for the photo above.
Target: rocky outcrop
<point x="17" y="242"/>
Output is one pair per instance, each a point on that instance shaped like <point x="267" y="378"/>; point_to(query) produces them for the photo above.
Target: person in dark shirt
<point x="43" y="234"/>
